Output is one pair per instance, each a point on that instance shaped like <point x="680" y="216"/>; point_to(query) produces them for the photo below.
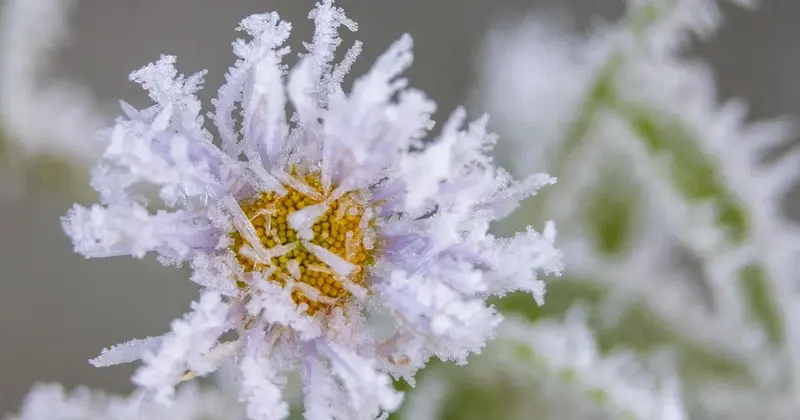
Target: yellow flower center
<point x="339" y="230"/>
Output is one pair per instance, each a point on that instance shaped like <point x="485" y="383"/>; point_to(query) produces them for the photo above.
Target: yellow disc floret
<point x="340" y="230"/>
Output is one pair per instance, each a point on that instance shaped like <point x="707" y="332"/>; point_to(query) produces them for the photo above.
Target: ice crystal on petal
<point x="127" y="352"/>
<point x="300" y="228"/>
<point x="262" y="394"/>
<point x="185" y="348"/>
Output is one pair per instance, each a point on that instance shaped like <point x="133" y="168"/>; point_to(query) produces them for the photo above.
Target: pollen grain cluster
<point x="338" y="230"/>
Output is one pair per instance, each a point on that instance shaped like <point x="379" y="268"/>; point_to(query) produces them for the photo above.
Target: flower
<point x="556" y="368"/>
<point x="50" y="402"/>
<point x="338" y="239"/>
<point x="45" y="122"/>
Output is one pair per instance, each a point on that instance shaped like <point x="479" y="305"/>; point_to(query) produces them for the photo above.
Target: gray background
<point x="58" y="310"/>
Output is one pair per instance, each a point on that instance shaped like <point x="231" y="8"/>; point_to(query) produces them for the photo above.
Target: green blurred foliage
<point x="44" y="174"/>
<point x="693" y="173"/>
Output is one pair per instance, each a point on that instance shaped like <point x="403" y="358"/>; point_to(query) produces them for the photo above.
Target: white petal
<point x="127" y="352"/>
<point x="130" y="230"/>
<point x="275" y="305"/>
<point x="455" y="324"/>
<point x="184" y="347"/>
<point x="517" y="262"/>
<point x="323" y="398"/>
<point x="370" y="391"/>
<point x="262" y="390"/>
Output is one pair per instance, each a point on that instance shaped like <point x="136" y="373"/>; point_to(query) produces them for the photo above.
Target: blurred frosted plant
<point x="322" y="216"/>
<point x="677" y="232"/>
<point x="47" y="125"/>
<point x="192" y="402"/>
<point x="552" y="368"/>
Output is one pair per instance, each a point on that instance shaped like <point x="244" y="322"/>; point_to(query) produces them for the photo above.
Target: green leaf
<point x="610" y="210"/>
<point x="561" y="295"/>
<point x="693" y="173"/>
<point x="760" y="301"/>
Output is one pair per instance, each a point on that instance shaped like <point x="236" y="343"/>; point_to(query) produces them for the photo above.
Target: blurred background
<point x="57" y="310"/>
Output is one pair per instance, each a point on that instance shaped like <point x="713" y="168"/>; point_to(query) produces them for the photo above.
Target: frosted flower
<point x="306" y="231"/>
<point x="555" y="368"/>
<point x="46" y="122"/>
<point x="51" y="402"/>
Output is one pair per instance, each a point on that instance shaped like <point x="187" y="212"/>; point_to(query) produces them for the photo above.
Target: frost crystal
<point x="301" y="227"/>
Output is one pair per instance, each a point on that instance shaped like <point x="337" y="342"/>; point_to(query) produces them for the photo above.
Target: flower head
<point x="309" y="220"/>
